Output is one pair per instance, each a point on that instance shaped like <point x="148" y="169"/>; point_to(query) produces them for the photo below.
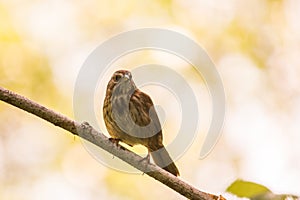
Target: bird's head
<point x="121" y="83"/>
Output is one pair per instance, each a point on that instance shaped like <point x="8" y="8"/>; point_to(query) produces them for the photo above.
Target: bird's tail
<point x="162" y="158"/>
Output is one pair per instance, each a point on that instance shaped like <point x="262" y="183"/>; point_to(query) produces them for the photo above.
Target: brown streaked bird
<point x="130" y="117"/>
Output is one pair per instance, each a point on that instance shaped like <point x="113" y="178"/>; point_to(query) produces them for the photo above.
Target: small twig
<point x="88" y="133"/>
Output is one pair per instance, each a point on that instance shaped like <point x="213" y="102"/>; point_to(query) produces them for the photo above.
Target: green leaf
<point x="247" y="189"/>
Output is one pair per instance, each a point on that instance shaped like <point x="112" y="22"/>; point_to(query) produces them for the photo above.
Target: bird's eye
<point x="117" y="77"/>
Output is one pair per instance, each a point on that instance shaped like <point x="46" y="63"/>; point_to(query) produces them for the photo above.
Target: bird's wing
<point x="144" y="115"/>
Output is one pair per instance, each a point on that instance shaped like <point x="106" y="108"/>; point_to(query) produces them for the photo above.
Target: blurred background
<point x="255" y="45"/>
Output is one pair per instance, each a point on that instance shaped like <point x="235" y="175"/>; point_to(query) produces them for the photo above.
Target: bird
<point x="130" y="117"/>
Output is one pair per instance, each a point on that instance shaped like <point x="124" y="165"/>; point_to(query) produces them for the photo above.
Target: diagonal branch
<point x="88" y="133"/>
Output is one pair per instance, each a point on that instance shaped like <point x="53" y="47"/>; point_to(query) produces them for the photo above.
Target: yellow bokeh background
<point x="255" y="45"/>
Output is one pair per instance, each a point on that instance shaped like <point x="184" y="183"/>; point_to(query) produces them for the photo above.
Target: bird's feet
<point x="116" y="142"/>
<point x="147" y="159"/>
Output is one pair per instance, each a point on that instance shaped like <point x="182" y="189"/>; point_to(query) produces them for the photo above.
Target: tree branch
<point x="88" y="133"/>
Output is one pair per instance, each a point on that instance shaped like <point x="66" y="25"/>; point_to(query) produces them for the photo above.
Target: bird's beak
<point x="127" y="76"/>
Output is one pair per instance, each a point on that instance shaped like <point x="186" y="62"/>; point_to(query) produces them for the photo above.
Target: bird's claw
<point x="116" y="142"/>
<point x="147" y="158"/>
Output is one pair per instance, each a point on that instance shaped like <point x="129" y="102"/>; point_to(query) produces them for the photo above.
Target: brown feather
<point x="130" y="116"/>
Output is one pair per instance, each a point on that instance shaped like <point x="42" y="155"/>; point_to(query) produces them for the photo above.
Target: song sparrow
<point x="130" y="117"/>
